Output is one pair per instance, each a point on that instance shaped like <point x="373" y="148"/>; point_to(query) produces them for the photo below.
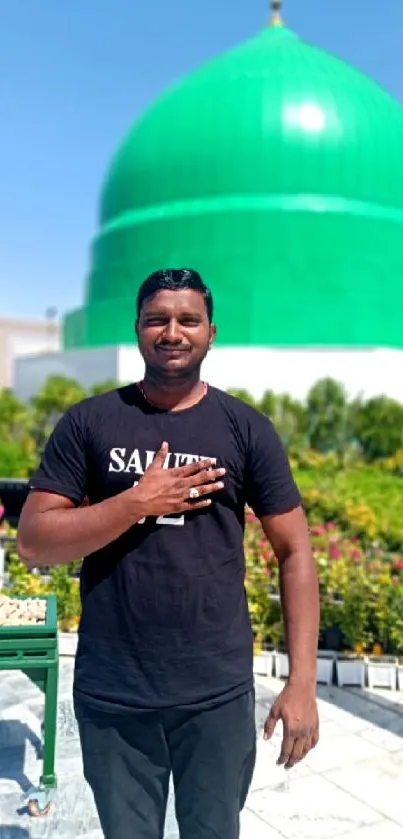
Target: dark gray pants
<point x="128" y="760"/>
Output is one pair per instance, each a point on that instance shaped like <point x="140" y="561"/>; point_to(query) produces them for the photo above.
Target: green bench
<point x="34" y="651"/>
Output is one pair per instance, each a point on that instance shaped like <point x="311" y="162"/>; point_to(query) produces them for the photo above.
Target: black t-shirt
<point x="165" y="620"/>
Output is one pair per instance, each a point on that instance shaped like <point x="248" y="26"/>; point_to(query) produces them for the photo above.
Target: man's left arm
<point x="296" y="706"/>
<point x="288" y="535"/>
<point x="275" y="499"/>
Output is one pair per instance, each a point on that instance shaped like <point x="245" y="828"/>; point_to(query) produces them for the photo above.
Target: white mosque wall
<point x="292" y="371"/>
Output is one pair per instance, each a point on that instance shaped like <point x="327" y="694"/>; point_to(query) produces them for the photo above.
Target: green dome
<point x="276" y="170"/>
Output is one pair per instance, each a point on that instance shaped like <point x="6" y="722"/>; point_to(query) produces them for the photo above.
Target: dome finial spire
<point x="276" y="19"/>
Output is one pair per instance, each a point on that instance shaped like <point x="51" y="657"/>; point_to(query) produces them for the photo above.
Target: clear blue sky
<point x="74" y="74"/>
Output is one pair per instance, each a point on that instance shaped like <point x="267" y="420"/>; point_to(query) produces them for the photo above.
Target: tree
<point x="57" y="395"/>
<point x="243" y="395"/>
<point x="378" y="426"/>
<point x="268" y="404"/>
<point x="288" y="416"/>
<point x="103" y="387"/>
<point x="291" y="422"/>
<point x="327" y="416"/>
<point x="15" y="419"/>
<point x="17" y="446"/>
<point x="17" y="459"/>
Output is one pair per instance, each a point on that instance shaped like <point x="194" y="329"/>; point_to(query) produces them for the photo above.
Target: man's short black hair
<point x="174" y="279"/>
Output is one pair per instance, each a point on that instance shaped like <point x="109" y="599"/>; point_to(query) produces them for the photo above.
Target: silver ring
<point x="194" y="492"/>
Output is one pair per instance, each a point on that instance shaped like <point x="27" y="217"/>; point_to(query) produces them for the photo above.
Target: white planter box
<point x="325" y="667"/>
<point x="263" y="664"/>
<point x="325" y="664"/>
<point x="350" y="671"/>
<point x="400" y="677"/>
<point x="382" y="672"/>
<point x="67" y="642"/>
<point x="260" y="665"/>
<point x="282" y="667"/>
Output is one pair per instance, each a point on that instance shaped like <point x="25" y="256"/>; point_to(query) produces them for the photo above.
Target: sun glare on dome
<point x="308" y="116"/>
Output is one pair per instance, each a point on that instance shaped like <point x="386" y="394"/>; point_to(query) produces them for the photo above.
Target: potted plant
<point x="332" y="560"/>
<point x="350" y="668"/>
<point x="325" y="666"/>
<point x="281" y="662"/>
<point x="268" y="636"/>
<point x="261" y="583"/>
<point x="330" y="639"/>
<point x="19" y="578"/>
<point x="66" y="587"/>
<point x="381" y="669"/>
<point x="354" y="616"/>
<point x="395" y="612"/>
<point x="261" y="660"/>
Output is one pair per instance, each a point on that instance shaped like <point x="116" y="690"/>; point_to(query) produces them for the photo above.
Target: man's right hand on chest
<point x="178" y="490"/>
<point x="53" y="530"/>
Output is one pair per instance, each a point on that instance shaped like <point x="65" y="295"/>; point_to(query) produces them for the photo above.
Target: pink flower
<point x="334" y="552"/>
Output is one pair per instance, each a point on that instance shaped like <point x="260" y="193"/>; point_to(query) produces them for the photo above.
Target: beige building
<point x="24" y="337"/>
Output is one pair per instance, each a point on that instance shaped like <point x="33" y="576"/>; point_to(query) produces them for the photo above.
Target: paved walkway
<point x="350" y="786"/>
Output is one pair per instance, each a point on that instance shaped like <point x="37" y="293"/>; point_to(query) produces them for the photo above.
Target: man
<point x="149" y="483"/>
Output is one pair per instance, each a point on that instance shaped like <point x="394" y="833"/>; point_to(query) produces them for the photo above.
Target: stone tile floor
<point x="350" y="786"/>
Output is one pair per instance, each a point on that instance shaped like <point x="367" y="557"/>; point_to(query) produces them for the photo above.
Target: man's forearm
<point x="60" y="536"/>
<point x="300" y="603"/>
